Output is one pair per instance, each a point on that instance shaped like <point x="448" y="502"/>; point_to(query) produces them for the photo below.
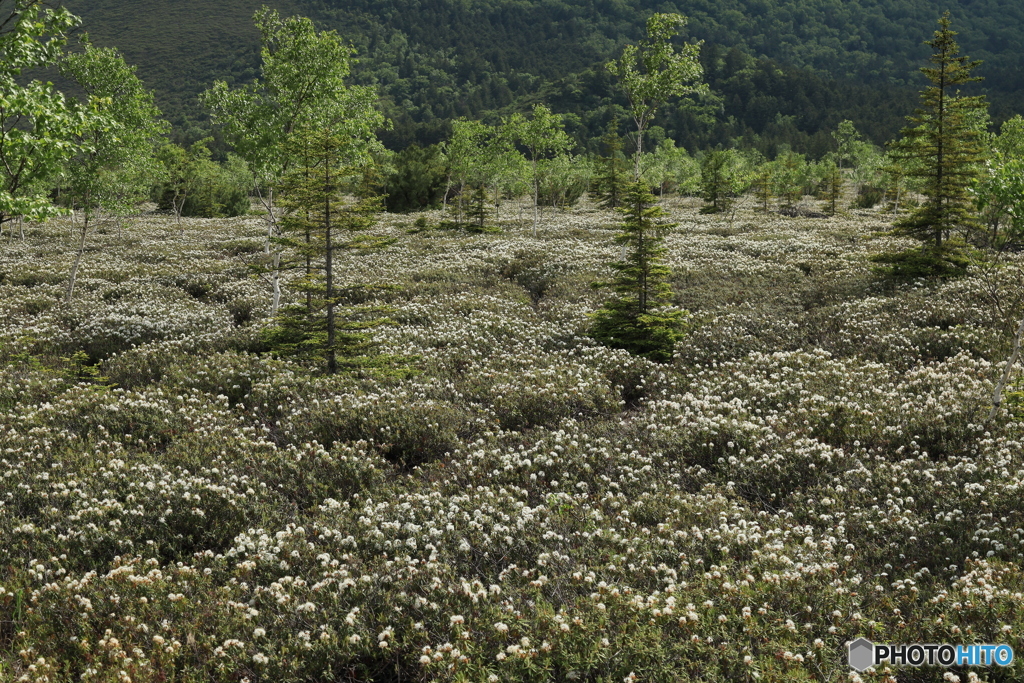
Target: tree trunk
<point x="268" y="204"/>
<point x="78" y="260"/>
<point x="444" y="200"/>
<point x="997" y="395"/>
<point x="536" y="196"/>
<point x="332" y="360"/>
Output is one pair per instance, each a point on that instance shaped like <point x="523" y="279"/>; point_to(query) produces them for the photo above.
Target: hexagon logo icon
<point x="862" y="654"/>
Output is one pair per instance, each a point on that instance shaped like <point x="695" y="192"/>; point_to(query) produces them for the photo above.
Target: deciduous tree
<point x="543" y="136"/>
<point x="303" y="77"/>
<point x="116" y="161"/>
<point x="654" y="71"/>
<point x="38" y="126"/>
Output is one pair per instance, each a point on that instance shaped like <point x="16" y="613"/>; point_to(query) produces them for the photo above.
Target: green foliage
<point x="543" y="136"/>
<point x="944" y="144"/>
<point x="612" y="170"/>
<point x="39" y="128"/>
<point x="465" y="155"/>
<point x="477" y="211"/>
<point x="653" y="71"/>
<point x="302" y="79"/>
<point x="832" y="191"/>
<point x="328" y="160"/>
<point x="118" y="161"/>
<point x="563" y="180"/>
<point x="721" y="179"/>
<point x="418" y="179"/>
<point x="635" y="319"/>
<point x="194" y="185"/>
<point x="927" y="261"/>
<point x="1000" y="190"/>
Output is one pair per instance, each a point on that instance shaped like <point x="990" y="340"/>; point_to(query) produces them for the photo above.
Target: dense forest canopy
<point x="786" y="70"/>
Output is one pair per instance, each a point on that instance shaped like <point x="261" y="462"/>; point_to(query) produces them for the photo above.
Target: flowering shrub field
<point x="519" y="503"/>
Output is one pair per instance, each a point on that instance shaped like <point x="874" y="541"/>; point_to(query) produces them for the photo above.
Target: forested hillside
<point x="437" y="59"/>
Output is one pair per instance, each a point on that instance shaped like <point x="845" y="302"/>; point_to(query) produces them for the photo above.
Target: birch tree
<point x="654" y="71"/>
<point x="303" y="77"/>
<point x="116" y="147"/>
<point x="543" y="137"/>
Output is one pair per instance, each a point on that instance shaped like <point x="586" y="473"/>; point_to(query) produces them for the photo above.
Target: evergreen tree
<point x="719" y="179"/>
<point x="634" y="319"/>
<point x="764" y="183"/>
<point x="318" y="222"/>
<point x="944" y="145"/>
<point x="612" y="172"/>
<point x="833" y="183"/>
<point x="477" y="211"/>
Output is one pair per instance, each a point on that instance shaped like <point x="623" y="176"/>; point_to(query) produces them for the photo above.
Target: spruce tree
<point x="477" y="211"/>
<point x="319" y="221"/>
<point x="633" y="320"/>
<point x="943" y="147"/>
<point x="612" y="174"/>
<point x="718" y="180"/>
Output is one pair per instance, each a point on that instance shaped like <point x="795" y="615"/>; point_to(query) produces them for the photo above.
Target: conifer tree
<point x="633" y="319"/>
<point x="943" y="145"/>
<point x="612" y="173"/>
<point x="317" y="222"/>
<point x="477" y="211"/>
<point x="833" y="183"/>
<point x="764" y="183"/>
<point x="718" y="180"/>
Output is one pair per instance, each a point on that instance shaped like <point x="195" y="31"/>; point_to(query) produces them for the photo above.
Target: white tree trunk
<point x="272" y="229"/>
<point x="78" y="261"/>
<point x="997" y="395"/>
<point x="536" y="195"/>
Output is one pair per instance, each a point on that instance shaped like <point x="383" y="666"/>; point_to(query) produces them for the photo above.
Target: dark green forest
<point x="782" y="72"/>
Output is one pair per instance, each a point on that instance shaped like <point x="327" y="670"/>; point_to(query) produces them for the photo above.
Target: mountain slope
<point x="436" y="59"/>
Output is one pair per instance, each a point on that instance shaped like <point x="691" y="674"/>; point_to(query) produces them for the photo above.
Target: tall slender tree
<point x="331" y="156"/>
<point x="943" y="145"/>
<point x="612" y="170"/>
<point x="303" y="77"/>
<point x="117" y="147"/>
<point x="654" y="71"/>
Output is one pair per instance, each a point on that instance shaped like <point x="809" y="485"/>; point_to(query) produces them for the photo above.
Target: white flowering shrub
<point x="513" y="502"/>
